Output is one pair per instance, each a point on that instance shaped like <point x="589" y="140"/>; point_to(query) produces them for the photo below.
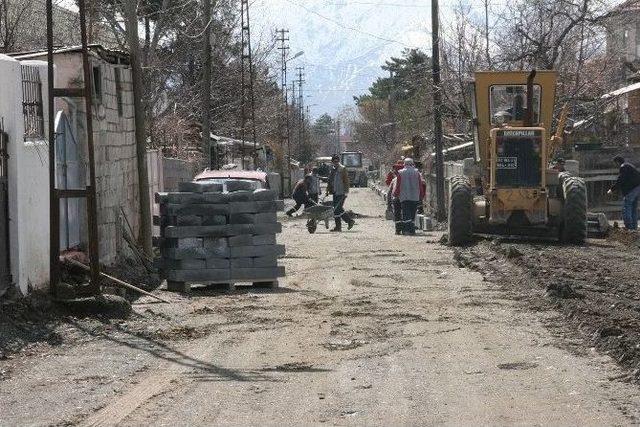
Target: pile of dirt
<point x="624" y="236"/>
<point x="27" y="321"/>
<point x="34" y="324"/>
<point x="593" y="287"/>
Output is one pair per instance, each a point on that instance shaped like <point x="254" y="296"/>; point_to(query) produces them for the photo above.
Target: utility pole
<point x="294" y="109"/>
<point x="437" y="110"/>
<point x="206" y="85"/>
<point x="392" y="110"/>
<point x="486" y="32"/>
<point x="300" y="82"/>
<point x="283" y="38"/>
<point x="338" y="137"/>
<point x="247" y="67"/>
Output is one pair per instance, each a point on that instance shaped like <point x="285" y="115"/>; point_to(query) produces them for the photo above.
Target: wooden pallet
<point x="186" y="287"/>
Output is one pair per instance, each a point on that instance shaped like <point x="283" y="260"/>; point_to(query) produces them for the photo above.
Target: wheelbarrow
<point x="317" y="213"/>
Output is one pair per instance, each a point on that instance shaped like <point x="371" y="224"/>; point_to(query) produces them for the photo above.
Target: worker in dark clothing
<point x="338" y="186"/>
<point x="300" y="196"/>
<point x="628" y="183"/>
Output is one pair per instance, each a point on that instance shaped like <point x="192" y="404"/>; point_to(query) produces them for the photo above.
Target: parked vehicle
<point x="353" y="161"/>
<point x="258" y="179"/>
<point x="324" y="167"/>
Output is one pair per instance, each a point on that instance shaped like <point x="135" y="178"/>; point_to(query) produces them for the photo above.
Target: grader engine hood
<point x="518" y="159"/>
<point x="518" y="187"/>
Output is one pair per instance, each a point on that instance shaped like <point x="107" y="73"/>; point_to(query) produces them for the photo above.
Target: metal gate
<point x="68" y="177"/>
<point x="5" y="265"/>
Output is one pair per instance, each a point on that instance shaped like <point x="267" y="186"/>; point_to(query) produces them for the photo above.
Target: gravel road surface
<point x="368" y="328"/>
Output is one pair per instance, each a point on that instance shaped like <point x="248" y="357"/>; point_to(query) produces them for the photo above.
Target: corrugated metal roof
<point x="226" y="141"/>
<point x="455" y="148"/>
<point x="109" y="55"/>
<point x="621" y="91"/>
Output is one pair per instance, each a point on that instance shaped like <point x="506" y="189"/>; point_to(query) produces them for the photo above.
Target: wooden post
<point x="437" y="111"/>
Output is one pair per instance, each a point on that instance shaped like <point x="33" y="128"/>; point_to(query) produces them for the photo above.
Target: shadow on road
<point x="203" y="370"/>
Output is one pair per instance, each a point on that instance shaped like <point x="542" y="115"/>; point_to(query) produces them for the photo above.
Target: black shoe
<point x="350" y="224"/>
<point x="336" y="230"/>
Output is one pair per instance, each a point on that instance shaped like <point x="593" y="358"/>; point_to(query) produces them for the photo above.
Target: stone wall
<point x="116" y="163"/>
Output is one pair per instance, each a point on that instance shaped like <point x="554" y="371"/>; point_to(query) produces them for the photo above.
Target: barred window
<point x="97" y="84"/>
<point x="118" y="79"/>
<point x="32" y="109"/>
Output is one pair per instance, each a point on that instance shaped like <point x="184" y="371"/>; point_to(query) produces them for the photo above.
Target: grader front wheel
<point x="460" y="211"/>
<point x="574" y="215"/>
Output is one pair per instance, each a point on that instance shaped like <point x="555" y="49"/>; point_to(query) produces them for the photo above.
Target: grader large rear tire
<point x="460" y="211"/>
<point x="574" y="224"/>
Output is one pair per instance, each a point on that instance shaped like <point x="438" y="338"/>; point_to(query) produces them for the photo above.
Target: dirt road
<point x="369" y="328"/>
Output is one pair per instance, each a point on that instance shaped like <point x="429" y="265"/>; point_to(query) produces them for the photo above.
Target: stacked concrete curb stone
<point x="208" y="236"/>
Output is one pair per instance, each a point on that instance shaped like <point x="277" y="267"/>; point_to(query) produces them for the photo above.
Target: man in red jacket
<point x="393" y="172"/>
<point x="390" y="176"/>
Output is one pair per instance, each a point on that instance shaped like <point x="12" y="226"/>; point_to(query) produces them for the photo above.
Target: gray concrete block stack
<point x="210" y="236"/>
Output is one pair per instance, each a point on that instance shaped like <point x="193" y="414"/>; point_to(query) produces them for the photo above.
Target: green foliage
<point x="407" y="74"/>
<point x="323" y="135"/>
<point x="397" y="108"/>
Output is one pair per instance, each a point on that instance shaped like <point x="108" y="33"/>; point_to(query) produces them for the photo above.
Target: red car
<point x="258" y="179"/>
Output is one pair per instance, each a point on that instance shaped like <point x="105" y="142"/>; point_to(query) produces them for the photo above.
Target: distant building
<point x="623" y="40"/>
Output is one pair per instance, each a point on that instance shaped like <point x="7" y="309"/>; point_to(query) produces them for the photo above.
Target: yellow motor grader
<point x="516" y="192"/>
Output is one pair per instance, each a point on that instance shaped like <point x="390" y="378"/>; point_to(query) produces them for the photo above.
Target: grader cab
<point x="515" y="191"/>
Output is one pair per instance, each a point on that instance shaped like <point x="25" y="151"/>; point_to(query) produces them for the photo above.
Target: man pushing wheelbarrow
<point x="338" y="187"/>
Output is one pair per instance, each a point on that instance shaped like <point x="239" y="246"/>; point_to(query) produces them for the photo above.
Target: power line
<point x="366" y="3"/>
<point x="339" y="24"/>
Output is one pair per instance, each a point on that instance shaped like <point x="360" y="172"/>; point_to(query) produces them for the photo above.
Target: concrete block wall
<point x="116" y="163"/>
<point x="114" y="146"/>
<point x="175" y="171"/>
<point x="28" y="182"/>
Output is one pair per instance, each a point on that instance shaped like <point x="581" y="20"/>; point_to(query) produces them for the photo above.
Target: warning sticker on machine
<point x="507" y="163"/>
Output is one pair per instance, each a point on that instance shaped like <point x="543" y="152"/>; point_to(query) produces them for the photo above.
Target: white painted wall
<point x="28" y="182"/>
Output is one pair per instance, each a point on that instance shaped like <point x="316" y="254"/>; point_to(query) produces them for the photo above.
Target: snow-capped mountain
<point x="345" y="41"/>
